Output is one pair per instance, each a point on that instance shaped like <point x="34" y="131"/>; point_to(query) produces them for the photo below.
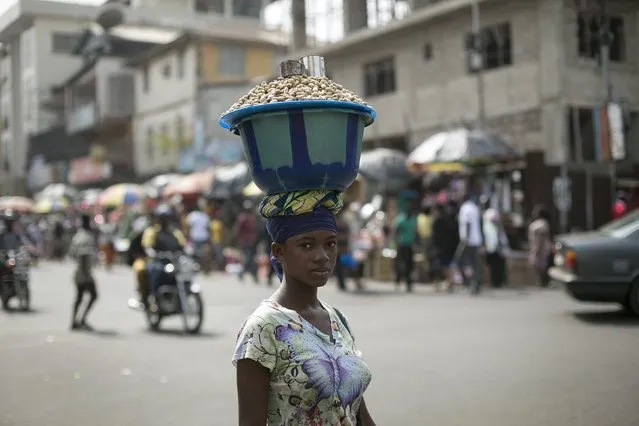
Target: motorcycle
<point x="14" y="281"/>
<point x="177" y="294"/>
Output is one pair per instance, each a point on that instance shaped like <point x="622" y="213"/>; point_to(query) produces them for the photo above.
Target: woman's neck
<point x="297" y="296"/>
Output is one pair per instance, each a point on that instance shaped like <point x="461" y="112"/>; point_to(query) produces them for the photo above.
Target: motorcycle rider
<point x="136" y="257"/>
<point x="163" y="236"/>
<point x="11" y="238"/>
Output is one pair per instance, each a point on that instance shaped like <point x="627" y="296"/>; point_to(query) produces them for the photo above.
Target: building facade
<point x="37" y="37"/>
<point x="541" y="78"/>
<point x="180" y="87"/>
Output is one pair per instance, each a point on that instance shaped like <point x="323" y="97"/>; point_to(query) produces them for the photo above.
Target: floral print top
<point x="316" y="379"/>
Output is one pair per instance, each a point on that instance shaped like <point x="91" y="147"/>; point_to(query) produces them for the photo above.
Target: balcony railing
<point x="82" y="118"/>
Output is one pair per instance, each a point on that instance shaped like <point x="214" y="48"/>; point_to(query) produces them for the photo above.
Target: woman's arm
<point x="252" y="392"/>
<point x="364" y="416"/>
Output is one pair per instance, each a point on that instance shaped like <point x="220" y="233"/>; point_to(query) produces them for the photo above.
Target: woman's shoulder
<point x="256" y="338"/>
<point x="266" y="313"/>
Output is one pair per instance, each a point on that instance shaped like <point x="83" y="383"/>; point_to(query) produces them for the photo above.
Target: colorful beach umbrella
<point x="19" y="204"/>
<point x="48" y="205"/>
<point x="122" y="194"/>
<point x="191" y="184"/>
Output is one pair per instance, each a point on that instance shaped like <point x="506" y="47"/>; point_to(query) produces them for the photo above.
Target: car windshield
<point x="623" y="226"/>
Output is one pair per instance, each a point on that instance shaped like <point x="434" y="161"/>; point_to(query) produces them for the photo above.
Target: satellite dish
<point x="110" y="15"/>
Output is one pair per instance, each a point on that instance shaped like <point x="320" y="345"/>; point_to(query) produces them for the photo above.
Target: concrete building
<point x="540" y="64"/>
<point x="183" y="86"/>
<point x="37" y="37"/>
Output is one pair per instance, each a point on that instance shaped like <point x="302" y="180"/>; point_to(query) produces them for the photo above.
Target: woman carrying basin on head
<point x="296" y="358"/>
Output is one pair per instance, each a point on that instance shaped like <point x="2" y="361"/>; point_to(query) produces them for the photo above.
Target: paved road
<point x="501" y="359"/>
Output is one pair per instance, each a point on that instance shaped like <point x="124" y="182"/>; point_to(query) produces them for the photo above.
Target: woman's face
<point x="308" y="258"/>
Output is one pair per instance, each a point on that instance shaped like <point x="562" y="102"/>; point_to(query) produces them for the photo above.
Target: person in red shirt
<point x="620" y="207"/>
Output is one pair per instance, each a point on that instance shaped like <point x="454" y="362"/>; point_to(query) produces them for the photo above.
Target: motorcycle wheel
<point x="4" y="297"/>
<point x="153" y="320"/>
<point x="196" y="299"/>
<point x="5" y="304"/>
<point x="25" y="300"/>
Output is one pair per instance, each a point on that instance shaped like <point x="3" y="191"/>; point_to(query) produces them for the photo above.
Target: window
<point x="581" y="134"/>
<point x="231" y="60"/>
<point x="166" y="70"/>
<point x="491" y="49"/>
<point x="379" y="77"/>
<point x="150" y="143"/>
<point x="589" y="37"/>
<point x="145" y="79"/>
<point x="209" y="6"/>
<point x="247" y="8"/>
<point x="180" y="63"/>
<point x="64" y="42"/>
<point x="428" y="52"/>
<point x="166" y="140"/>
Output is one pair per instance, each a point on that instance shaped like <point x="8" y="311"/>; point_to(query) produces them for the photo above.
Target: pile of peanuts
<point x="296" y="88"/>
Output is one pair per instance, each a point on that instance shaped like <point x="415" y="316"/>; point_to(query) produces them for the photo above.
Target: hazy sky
<point x="324" y="16"/>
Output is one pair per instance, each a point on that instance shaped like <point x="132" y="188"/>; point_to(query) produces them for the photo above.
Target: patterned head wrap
<point x="293" y="213"/>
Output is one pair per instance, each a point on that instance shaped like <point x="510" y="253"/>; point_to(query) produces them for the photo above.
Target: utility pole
<point x="477" y="62"/>
<point x="605" y="40"/>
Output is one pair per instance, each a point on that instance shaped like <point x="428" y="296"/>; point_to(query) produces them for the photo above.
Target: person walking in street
<point x="425" y="232"/>
<point x="405" y="228"/>
<point x="444" y="240"/>
<point x="247" y="237"/>
<point x="83" y="249"/>
<point x="496" y="243"/>
<point x="540" y="240"/>
<point x="470" y="246"/>
<point x="341" y="268"/>
<point x="199" y="233"/>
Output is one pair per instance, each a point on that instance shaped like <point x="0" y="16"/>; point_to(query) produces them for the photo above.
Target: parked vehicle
<point x="602" y="265"/>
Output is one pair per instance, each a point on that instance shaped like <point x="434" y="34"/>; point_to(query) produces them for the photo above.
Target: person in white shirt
<point x="471" y="242"/>
<point x="199" y="229"/>
<point x="496" y="243"/>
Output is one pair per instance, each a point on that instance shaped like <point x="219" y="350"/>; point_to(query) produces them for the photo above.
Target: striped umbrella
<point x="48" y="205"/>
<point x="122" y="194"/>
<point x="19" y="204"/>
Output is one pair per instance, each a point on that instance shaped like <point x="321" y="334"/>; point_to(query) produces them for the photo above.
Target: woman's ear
<point x="278" y="251"/>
